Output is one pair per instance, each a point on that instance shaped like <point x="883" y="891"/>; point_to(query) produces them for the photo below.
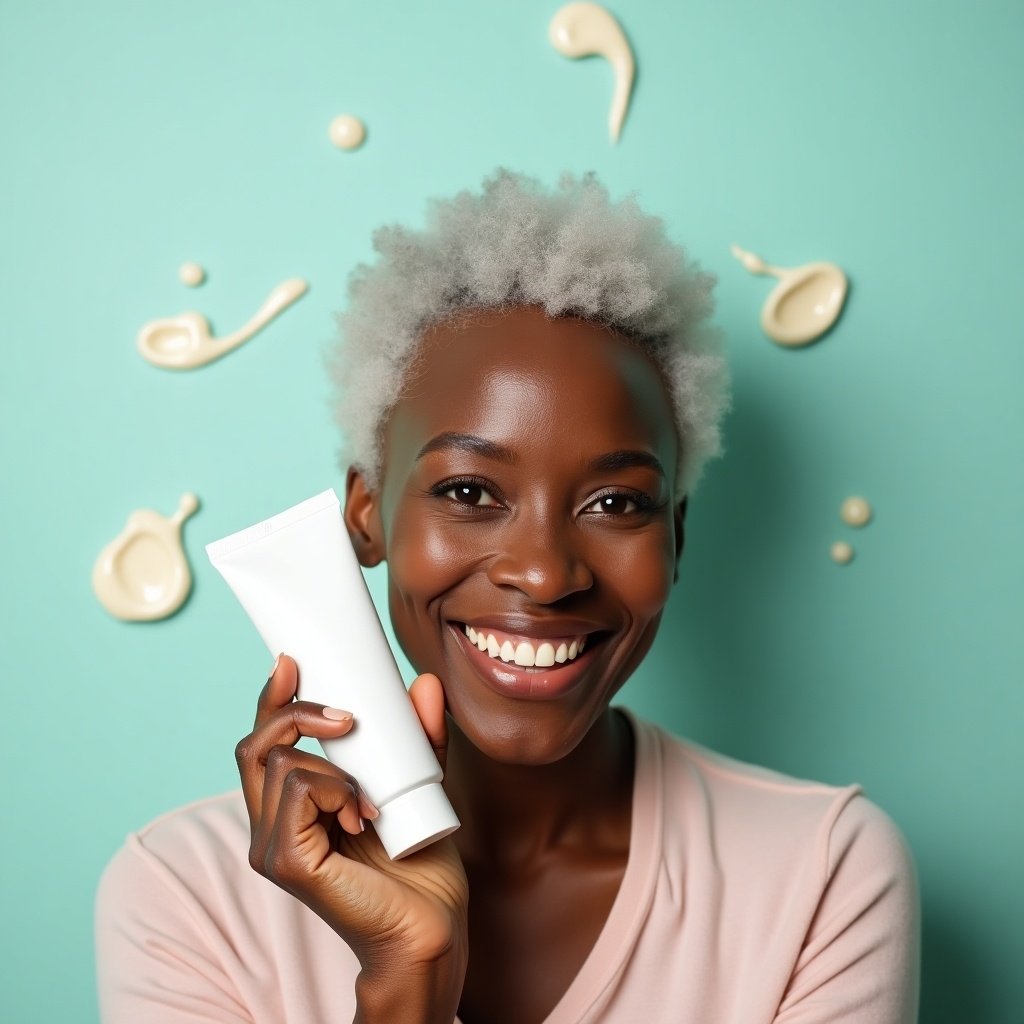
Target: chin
<point x="528" y="741"/>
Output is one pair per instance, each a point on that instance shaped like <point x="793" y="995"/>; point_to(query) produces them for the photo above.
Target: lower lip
<point x="512" y="680"/>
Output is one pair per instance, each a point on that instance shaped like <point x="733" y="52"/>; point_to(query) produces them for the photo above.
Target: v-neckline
<point x="629" y="909"/>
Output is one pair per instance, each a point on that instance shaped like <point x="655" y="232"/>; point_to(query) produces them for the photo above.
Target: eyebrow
<point x="468" y="443"/>
<point x="625" y="458"/>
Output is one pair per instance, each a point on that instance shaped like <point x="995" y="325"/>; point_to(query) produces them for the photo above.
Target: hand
<point x="305" y="816"/>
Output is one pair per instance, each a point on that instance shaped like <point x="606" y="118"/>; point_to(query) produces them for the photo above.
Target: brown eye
<point x="470" y="494"/>
<point x="613" y="505"/>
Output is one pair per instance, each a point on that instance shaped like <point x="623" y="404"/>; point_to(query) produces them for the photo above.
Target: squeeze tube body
<point x="298" y="579"/>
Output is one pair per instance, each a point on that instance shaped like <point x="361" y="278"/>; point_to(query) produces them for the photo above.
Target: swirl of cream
<point x="587" y="30"/>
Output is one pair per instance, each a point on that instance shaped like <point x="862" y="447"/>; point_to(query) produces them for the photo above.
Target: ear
<point x="362" y="519"/>
<point x="678" y="521"/>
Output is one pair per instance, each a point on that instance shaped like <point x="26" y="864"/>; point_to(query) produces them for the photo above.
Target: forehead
<point x="532" y="383"/>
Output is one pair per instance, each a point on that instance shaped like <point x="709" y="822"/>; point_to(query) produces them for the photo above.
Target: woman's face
<point x="527" y="494"/>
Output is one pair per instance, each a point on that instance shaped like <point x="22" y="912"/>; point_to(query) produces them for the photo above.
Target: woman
<point x="528" y="397"/>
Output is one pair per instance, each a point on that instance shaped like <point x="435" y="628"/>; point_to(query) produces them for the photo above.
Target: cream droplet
<point x="191" y="274"/>
<point x="143" y="574"/>
<point x="183" y="342"/>
<point x="855" y="512"/>
<point x="586" y="30"/>
<point x="841" y="552"/>
<point x="804" y="304"/>
<point x="347" y="132"/>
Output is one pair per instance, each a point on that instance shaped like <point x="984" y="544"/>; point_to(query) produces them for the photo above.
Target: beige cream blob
<point x="143" y="574"/>
<point x="856" y="511"/>
<point x="841" y="553"/>
<point x="347" y="132"/>
<point x="191" y="274"/>
<point x="184" y="342"/>
<point x="804" y="304"/>
<point x="588" y="30"/>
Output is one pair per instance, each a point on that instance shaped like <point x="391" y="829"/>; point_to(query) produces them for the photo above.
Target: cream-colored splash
<point x="856" y="511"/>
<point x="841" y="552"/>
<point x="804" y="304"/>
<point x="586" y="30"/>
<point x="346" y="131"/>
<point x="143" y="574"/>
<point x="191" y="274"/>
<point x="184" y="342"/>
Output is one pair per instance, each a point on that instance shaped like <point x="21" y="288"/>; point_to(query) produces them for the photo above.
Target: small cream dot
<point x="855" y="512"/>
<point x="841" y="552"/>
<point x="191" y="274"/>
<point x="347" y="132"/>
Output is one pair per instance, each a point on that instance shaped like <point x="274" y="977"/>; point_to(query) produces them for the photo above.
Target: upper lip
<point x="540" y="628"/>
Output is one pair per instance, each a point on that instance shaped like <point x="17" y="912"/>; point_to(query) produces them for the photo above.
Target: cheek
<point x="643" y="587"/>
<point x="641" y="575"/>
<point x="424" y="562"/>
<point x="424" y="558"/>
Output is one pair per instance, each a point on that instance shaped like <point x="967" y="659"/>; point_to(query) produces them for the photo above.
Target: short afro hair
<point x="569" y="250"/>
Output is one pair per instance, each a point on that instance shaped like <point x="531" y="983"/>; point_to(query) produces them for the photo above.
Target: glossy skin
<point x="529" y="488"/>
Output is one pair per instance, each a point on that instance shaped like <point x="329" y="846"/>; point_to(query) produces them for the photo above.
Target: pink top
<point x="749" y="898"/>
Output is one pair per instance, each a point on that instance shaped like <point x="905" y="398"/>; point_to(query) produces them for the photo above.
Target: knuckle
<point x="282" y="866"/>
<point x="244" y="750"/>
<point x="278" y="757"/>
<point x="296" y="783"/>
<point x="257" y="860"/>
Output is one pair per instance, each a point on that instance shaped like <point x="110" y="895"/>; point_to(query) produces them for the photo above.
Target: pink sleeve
<point x="860" y="961"/>
<point x="153" y="962"/>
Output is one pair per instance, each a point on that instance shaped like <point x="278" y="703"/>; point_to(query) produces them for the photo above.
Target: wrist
<point x="426" y="993"/>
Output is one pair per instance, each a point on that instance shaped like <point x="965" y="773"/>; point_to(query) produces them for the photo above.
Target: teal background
<point x="883" y="136"/>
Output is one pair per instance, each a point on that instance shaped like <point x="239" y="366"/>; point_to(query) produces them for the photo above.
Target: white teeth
<point x="525" y="655"/>
<point x="541" y="654"/>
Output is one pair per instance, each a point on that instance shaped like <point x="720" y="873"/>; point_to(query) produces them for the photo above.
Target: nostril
<point x="545" y="577"/>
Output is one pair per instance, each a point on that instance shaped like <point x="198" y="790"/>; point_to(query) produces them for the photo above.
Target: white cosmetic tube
<point x="298" y="578"/>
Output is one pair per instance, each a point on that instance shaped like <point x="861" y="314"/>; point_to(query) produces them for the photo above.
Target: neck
<point x="513" y="813"/>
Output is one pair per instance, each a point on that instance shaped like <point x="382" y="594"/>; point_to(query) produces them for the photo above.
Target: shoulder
<point x="215" y="825"/>
<point x="184" y="927"/>
<point x="190" y="854"/>
<point x="755" y="814"/>
<point x="810" y="887"/>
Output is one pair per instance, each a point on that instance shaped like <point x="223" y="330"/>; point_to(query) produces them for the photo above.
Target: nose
<point x="541" y="561"/>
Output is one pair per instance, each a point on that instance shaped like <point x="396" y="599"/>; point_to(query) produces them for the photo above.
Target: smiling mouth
<point x="522" y="666"/>
<point x="526" y="652"/>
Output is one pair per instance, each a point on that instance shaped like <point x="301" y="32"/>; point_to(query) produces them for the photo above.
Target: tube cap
<point x="414" y="820"/>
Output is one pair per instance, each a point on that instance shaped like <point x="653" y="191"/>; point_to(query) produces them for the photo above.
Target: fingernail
<point x="337" y="714"/>
<point x="362" y="825"/>
<point x="273" y="668"/>
<point x="367" y="808"/>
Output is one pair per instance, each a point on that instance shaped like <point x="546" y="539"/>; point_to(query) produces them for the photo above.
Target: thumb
<point x="427" y="695"/>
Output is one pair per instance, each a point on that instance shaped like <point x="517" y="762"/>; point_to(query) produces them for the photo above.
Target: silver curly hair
<point x="570" y="250"/>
